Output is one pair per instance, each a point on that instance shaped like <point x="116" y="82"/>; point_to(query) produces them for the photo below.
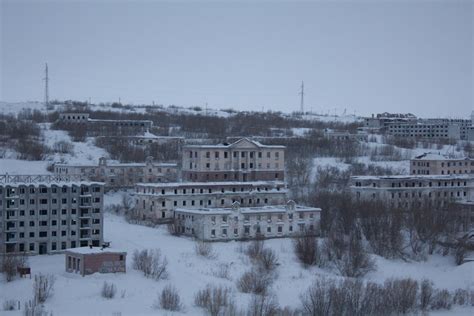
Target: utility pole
<point x="46" y="87"/>
<point x="302" y="98"/>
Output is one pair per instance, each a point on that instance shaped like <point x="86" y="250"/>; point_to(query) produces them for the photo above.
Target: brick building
<point x="89" y="260"/>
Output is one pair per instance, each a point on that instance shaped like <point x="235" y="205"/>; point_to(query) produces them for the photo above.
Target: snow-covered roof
<point x="209" y="184"/>
<point x="416" y="177"/>
<point x="94" y="250"/>
<point x="223" y="146"/>
<point x="248" y="210"/>
<point x="437" y="156"/>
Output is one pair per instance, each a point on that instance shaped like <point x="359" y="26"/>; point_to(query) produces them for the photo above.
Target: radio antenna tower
<point x="46" y="87"/>
<point x="302" y="98"/>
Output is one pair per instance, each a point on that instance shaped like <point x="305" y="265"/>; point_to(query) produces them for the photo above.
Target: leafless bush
<point x="316" y="300"/>
<point x="356" y="262"/>
<point x="204" y="249"/>
<point x="306" y="249"/>
<point x="43" y="287"/>
<point x="169" y="299"/>
<point x="426" y="294"/>
<point x="63" y="147"/>
<point x="108" y="290"/>
<point x="462" y="297"/>
<point x="30" y="149"/>
<point x="263" y="305"/>
<point x="401" y="295"/>
<point x="216" y="300"/>
<point x="152" y="263"/>
<point x="33" y="308"/>
<point x="441" y="300"/>
<point x="268" y="260"/>
<point x="254" y="281"/>
<point x="9" y="264"/>
<point x="9" y="305"/>
<point x="222" y="271"/>
<point x="255" y="248"/>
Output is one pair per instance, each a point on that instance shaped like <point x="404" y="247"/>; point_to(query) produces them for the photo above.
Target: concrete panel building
<point x="435" y="163"/>
<point x="121" y="175"/>
<point x="244" y="160"/>
<point x="158" y="201"/>
<point x="89" y="260"/>
<point x="47" y="214"/>
<point x="403" y="191"/>
<point x="237" y="223"/>
<point x="427" y="130"/>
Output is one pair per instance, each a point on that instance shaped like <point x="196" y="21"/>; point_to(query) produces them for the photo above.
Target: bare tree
<point x="43" y="287"/>
<point x="108" y="290"/>
<point x="9" y="264"/>
<point x="169" y="299"/>
<point x="306" y="249"/>
<point x="152" y="263"/>
<point x="215" y="300"/>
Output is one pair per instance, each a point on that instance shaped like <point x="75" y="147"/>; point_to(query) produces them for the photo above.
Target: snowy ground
<point x="76" y="295"/>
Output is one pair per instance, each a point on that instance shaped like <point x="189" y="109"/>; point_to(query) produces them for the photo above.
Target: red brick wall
<point x="104" y="263"/>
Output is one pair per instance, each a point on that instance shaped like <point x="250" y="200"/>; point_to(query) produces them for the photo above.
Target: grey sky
<point x="367" y="56"/>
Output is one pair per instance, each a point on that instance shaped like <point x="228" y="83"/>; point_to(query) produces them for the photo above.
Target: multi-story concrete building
<point x="121" y="175"/>
<point x="434" y="163"/>
<point x="382" y="120"/>
<point x="404" y="190"/>
<point x="243" y="160"/>
<point x="344" y="135"/>
<point x="428" y="130"/>
<point x="47" y="214"/>
<point x="221" y="224"/>
<point x="158" y="201"/>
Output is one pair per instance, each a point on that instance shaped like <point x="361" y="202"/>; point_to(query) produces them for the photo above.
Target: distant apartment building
<point x="433" y="164"/>
<point x="244" y="160"/>
<point x="382" y="120"/>
<point x="238" y="223"/>
<point x="96" y="127"/>
<point x="344" y="135"/>
<point x="404" y="190"/>
<point x="121" y="175"/>
<point x="426" y="130"/>
<point x="159" y="201"/>
<point x="47" y="214"/>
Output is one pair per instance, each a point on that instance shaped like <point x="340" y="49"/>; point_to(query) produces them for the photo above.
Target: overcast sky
<point x="366" y="56"/>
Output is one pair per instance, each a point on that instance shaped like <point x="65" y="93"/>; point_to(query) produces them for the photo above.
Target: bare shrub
<point x="216" y="300"/>
<point x="441" y="300"/>
<point x="255" y="248"/>
<point x="268" y="260"/>
<point x="9" y="264"/>
<point x="152" y="263"/>
<point x="43" y="287"/>
<point x="401" y="295"/>
<point x="426" y="294"/>
<point x="204" y="249"/>
<point x="462" y="297"/>
<point x="254" y="282"/>
<point x="356" y="262"/>
<point x="169" y="299"/>
<point x="9" y="305"/>
<point x="263" y="305"/>
<point x="33" y="308"/>
<point x="63" y="147"/>
<point x="316" y="300"/>
<point x="108" y="290"/>
<point x="222" y="271"/>
<point x="306" y="249"/>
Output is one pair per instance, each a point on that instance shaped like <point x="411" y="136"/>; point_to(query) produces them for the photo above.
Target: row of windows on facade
<point x="32" y="246"/>
<point x="420" y="184"/>
<point x="235" y="154"/>
<point x="44" y="212"/>
<point x="216" y="176"/>
<point x="201" y="202"/>
<point x="112" y="170"/>
<point x="258" y="230"/>
<point x="243" y="165"/>
<point x="427" y="172"/>
<point x="201" y="191"/>
<point x="430" y="194"/>
<point x="43" y="190"/>
<point x="72" y="222"/>
<point x="268" y="217"/>
<point x="448" y="164"/>
<point x="11" y="202"/>
<point x="44" y="234"/>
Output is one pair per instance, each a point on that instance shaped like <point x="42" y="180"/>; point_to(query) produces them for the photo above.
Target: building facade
<point x="89" y="260"/>
<point x="121" y="175"/>
<point x="432" y="164"/>
<point x="48" y="214"/>
<point x="427" y="130"/>
<point x="240" y="223"/>
<point x="244" y="160"/>
<point x="403" y="191"/>
<point x="159" y="201"/>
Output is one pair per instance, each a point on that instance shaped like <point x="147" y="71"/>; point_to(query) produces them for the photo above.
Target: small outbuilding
<point x="89" y="260"/>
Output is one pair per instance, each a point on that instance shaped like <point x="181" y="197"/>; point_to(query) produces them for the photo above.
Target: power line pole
<point x="302" y="97"/>
<point x="46" y="87"/>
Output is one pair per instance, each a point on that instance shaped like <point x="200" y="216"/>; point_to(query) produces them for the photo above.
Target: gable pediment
<point x="244" y="143"/>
